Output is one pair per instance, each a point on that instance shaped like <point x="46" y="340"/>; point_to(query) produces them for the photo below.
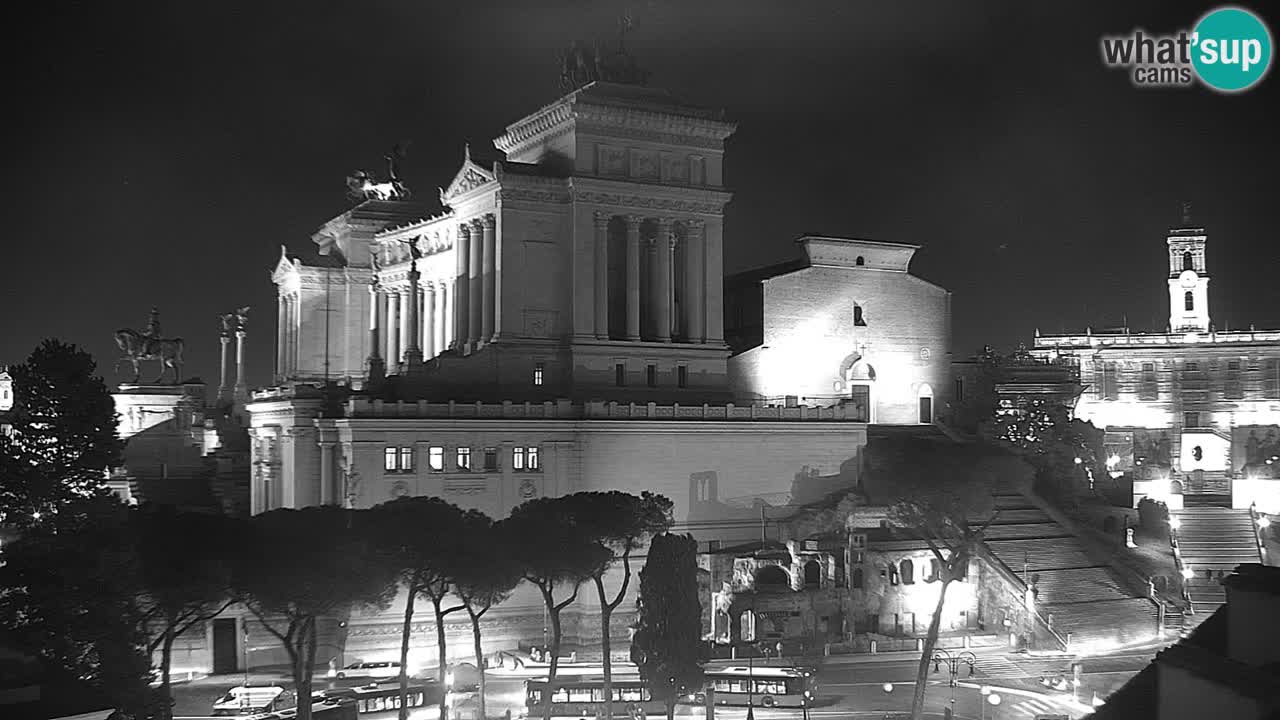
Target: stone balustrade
<point x="1048" y="342"/>
<point x="598" y="410"/>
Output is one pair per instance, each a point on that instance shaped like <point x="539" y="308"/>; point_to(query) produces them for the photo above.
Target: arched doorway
<point x="860" y="380"/>
<point x="772" y="577"/>
<point x="924" y="397"/>
<point x="812" y="574"/>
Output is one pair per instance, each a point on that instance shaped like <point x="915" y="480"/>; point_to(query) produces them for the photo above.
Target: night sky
<point x="160" y="153"/>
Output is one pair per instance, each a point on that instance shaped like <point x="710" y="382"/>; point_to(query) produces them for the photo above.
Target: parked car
<point x="381" y="670"/>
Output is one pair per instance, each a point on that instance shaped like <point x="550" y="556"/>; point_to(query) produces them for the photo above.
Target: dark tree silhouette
<point x="70" y="599"/>
<point x="668" y="640"/>
<point x="621" y="523"/>
<point x="553" y="550"/>
<point x="186" y="567"/>
<point x="486" y="574"/>
<point x="63" y="439"/>
<point x="422" y="537"/>
<point x="322" y="563"/>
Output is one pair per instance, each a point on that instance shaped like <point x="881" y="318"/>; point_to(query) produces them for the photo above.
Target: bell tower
<point x="1188" y="277"/>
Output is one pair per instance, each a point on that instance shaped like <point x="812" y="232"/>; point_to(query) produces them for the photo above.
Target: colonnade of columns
<point x="402" y="320"/>
<point x="657" y="294"/>
<point x="287" y="327"/>
<point x="476" y="281"/>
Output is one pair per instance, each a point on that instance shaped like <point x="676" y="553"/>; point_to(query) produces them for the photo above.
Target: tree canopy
<point x="668" y="640"/>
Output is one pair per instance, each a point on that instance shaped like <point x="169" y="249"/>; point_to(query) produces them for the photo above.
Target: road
<point x="848" y="687"/>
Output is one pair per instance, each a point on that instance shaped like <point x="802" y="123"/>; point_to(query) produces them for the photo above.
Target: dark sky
<point x="160" y="153"/>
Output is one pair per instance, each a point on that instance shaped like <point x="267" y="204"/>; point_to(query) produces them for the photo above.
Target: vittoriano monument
<point x="137" y="346"/>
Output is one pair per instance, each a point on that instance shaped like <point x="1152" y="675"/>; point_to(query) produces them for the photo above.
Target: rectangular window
<point x="525" y="459"/>
<point x="1148" y="388"/>
<point x="1191" y="419"/>
<point x="490" y="459"/>
<point x="464" y="458"/>
<point x="651" y="375"/>
<point x="406" y="459"/>
<point x="537" y="373"/>
<point x="959" y="389"/>
<point x="1110" y="389"/>
<point x="517" y="459"/>
<point x="620" y="374"/>
<point x="390" y="460"/>
<point x="1191" y="367"/>
<point x="682" y="376"/>
<point x="533" y="462"/>
<point x="1233" y="364"/>
<point x="435" y="458"/>
<point x="1148" y="367"/>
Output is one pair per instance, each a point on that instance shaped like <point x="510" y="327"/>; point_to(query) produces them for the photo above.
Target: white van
<point x="254" y="700"/>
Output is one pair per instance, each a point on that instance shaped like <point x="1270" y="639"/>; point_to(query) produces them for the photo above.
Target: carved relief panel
<point x="611" y="161"/>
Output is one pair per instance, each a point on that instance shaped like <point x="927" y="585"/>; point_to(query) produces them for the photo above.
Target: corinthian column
<point x="475" y="285"/>
<point x="406" y="327"/>
<point x="282" y="327"/>
<point x="693" y="279"/>
<point x="393" y="330"/>
<point x="633" y="277"/>
<point x="462" y="294"/>
<point x="602" y="275"/>
<point x="488" y="282"/>
<point x="663" y="245"/>
<point x="241" y="391"/>
<point x="429" y="346"/>
<point x="376" y="367"/>
<point x="412" y="321"/>
<point x="222" y="377"/>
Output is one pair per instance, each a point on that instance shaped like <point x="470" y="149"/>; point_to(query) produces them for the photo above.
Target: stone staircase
<point x="1212" y="541"/>
<point x="1077" y="594"/>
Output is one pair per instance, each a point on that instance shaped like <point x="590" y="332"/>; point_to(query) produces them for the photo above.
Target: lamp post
<point x="953" y="663"/>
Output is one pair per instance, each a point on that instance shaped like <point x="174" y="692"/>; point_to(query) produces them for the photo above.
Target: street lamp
<point x="953" y="663"/>
<point x="988" y="698"/>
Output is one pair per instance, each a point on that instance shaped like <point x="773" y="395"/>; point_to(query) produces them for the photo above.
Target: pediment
<point x="285" y="268"/>
<point x="470" y="176"/>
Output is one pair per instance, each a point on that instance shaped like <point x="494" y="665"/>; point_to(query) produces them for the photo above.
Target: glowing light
<point x="887" y="687"/>
<point x="1078" y="461"/>
<point x="1264" y="522"/>
<point x="1188" y="573"/>
<point x="984" y="690"/>
<point x="994" y="698"/>
<point x="1175" y="522"/>
<point x="1113" y="461"/>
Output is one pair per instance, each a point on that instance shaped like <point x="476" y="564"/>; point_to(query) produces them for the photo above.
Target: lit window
<point x="464" y="458"/>
<point x="406" y="459"/>
<point x="389" y="460"/>
<point x="682" y="376"/>
<point x="490" y="458"/>
<point x="517" y="459"/>
<point x="651" y="375"/>
<point x="525" y="459"/>
<point x="531" y="454"/>
<point x="435" y="458"/>
<point x="537" y="373"/>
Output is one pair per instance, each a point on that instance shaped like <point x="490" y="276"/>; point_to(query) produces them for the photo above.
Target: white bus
<point x="768" y="686"/>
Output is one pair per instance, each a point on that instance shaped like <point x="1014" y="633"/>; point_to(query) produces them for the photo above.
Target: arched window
<point x="812" y="574"/>
<point x="1188" y="263"/>
<point x="858" y="320"/>
<point x="855" y="580"/>
<point x="1188" y="301"/>
<point x="772" y="577"/>
<point x="860" y="261"/>
<point x="934" y="569"/>
<point x="908" y="570"/>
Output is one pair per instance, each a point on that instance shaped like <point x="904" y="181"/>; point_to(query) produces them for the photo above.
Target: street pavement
<point x="848" y="687"/>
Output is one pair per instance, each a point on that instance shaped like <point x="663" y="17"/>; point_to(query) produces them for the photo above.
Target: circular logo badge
<point x="1231" y="49"/>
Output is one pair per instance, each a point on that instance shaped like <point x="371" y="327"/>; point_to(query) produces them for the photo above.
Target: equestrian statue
<point x="138" y="346"/>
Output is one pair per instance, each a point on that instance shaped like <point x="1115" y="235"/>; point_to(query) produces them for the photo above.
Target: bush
<point x="1152" y="514"/>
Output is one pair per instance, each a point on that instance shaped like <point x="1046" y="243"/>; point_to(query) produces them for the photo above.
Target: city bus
<point x="376" y="701"/>
<point x="768" y="686"/>
<point x="582" y="697"/>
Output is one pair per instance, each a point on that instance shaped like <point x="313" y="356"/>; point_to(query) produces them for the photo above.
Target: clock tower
<point x="1188" y="278"/>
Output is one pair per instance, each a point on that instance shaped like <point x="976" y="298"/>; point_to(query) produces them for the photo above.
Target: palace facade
<point x="1193" y="410"/>
<point x="560" y="327"/>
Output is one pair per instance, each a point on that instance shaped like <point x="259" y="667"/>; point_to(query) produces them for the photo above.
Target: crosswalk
<point x="997" y="667"/>
<point x="1032" y="707"/>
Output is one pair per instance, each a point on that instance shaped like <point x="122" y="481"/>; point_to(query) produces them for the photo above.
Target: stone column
<point x="412" y="324"/>
<point x="429" y="346"/>
<point x="714" y="287"/>
<point x="291" y="360"/>
<point x="222" y="376"/>
<point x="328" y="495"/>
<point x="693" y="279"/>
<point x="461" y="314"/>
<point x="602" y="275"/>
<point x="663" y="244"/>
<point x="393" y="330"/>
<point x="633" y="277"/>
<point x="282" y="328"/>
<point x="241" y="392"/>
<point x="444" y="328"/>
<point x="377" y="370"/>
<point x="489" y="279"/>
<point x="475" y="286"/>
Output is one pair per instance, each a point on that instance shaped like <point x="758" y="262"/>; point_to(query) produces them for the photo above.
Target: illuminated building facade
<point x="559" y="327"/>
<point x="846" y="325"/>
<point x="1194" y="410"/>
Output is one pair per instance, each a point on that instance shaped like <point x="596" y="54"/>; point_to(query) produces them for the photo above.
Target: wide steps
<point x="1039" y="555"/>
<point x="1104" y="621"/>
<point x="1027" y="530"/>
<point x="1078" y="585"/>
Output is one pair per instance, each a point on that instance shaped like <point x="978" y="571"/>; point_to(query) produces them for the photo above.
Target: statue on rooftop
<point x="137" y="346"/>
<point x="581" y="66"/>
<point x="362" y="185"/>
